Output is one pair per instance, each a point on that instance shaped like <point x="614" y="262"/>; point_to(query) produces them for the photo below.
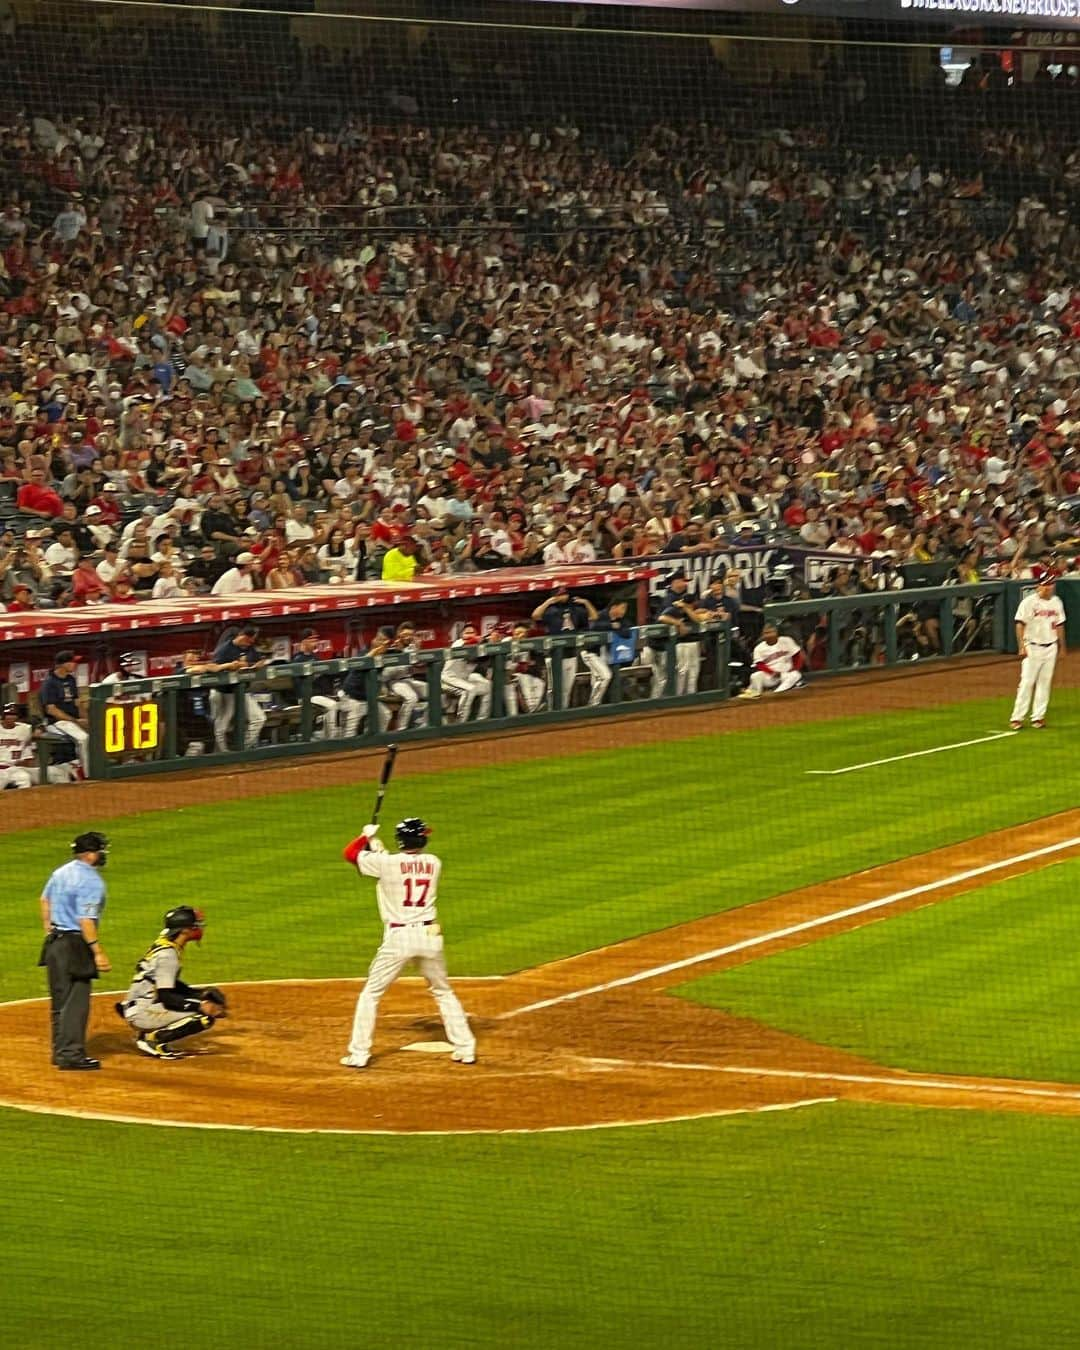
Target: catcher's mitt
<point x="215" y="996"/>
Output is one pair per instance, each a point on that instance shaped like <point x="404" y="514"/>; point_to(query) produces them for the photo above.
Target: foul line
<point x="956" y="878"/>
<point x="986" y="1088"/>
<point x="914" y="754"/>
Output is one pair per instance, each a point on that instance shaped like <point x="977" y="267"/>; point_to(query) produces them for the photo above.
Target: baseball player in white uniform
<point x="18" y="760"/>
<point x="15" y="737"/>
<point x="777" y="664"/>
<point x="407" y="890"/>
<point x="525" y="688"/>
<point x="129" y="667"/>
<point x="461" y="676"/>
<point x="1040" y="635"/>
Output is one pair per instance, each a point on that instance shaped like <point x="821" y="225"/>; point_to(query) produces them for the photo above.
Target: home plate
<point x="430" y="1047"/>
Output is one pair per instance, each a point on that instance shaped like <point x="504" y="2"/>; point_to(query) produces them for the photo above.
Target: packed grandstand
<point x="464" y="297"/>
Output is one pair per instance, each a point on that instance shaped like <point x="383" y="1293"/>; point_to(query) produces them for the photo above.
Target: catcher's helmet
<point x="183" y="916"/>
<point x="129" y="663"/>
<point x="91" y="842"/>
<point x="411" y="832"/>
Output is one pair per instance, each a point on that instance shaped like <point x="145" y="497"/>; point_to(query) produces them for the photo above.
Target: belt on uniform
<point x="1042" y="644"/>
<point x="424" y="923"/>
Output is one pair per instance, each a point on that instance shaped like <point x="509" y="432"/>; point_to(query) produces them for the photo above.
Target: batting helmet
<point x="129" y="663"/>
<point x="411" y="832"/>
<point x="10" y="710"/>
<point x="91" y="842"/>
<point x="183" y="916"/>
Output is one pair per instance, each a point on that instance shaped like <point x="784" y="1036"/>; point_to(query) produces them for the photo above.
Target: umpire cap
<point x="91" y="842"/>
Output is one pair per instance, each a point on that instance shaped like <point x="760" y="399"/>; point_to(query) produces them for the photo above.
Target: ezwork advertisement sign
<point x="754" y="566"/>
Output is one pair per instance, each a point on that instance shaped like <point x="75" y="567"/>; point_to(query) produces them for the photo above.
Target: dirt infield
<point x="909" y="687"/>
<point x="589" y="1041"/>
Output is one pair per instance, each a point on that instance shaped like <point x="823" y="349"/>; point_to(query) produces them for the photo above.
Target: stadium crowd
<point x="240" y="355"/>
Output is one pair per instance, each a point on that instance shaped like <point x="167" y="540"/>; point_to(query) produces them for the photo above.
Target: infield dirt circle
<point x="591" y="1041"/>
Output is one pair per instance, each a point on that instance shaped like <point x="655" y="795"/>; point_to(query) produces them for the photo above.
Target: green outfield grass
<point x="557" y="856"/>
<point x="820" y="1229"/>
<point x="827" y="1228"/>
<point x="983" y="984"/>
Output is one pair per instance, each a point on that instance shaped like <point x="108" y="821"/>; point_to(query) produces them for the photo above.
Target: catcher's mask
<point x="182" y="919"/>
<point x="411" y="832"/>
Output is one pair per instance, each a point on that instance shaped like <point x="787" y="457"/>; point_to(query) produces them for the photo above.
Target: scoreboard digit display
<point x="132" y="726"/>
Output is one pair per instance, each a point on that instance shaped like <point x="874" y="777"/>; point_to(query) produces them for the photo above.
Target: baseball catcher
<point x="159" y="1006"/>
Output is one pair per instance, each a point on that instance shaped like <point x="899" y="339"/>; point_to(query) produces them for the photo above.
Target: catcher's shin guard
<point x="189" y="1026"/>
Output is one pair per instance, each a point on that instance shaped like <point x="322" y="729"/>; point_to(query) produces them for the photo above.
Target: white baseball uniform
<point x="781" y="671"/>
<point x="1041" y="620"/>
<point x="18" y="762"/>
<point x="116" y="682"/>
<point x="460" y="675"/>
<point x="525" y="689"/>
<point x="407" y="889"/>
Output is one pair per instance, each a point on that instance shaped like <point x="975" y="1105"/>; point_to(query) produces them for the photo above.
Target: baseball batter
<point x="407" y="888"/>
<point x="1040" y="635"/>
<point x="777" y="664"/>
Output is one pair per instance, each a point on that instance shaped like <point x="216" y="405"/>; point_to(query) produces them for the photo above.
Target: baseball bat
<point x="384" y="781"/>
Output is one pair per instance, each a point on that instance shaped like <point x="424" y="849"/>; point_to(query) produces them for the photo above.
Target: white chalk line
<point x="157" y="1121"/>
<point x="914" y="754"/>
<point x="985" y="1088"/>
<point x="791" y="930"/>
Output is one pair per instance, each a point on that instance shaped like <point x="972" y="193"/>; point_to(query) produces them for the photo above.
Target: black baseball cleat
<point x="85" y="1063"/>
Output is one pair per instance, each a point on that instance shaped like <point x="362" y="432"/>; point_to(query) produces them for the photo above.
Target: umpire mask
<point x="92" y="842"/>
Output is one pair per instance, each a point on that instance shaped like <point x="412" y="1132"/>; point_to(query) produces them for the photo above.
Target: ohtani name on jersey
<point x="416" y="867"/>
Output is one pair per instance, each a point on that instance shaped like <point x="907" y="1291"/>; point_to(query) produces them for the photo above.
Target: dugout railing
<point x="164" y="723"/>
<point x="888" y="628"/>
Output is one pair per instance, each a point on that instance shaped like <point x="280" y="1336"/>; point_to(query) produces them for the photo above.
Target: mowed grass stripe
<point x="843" y="1226"/>
<point x="549" y="858"/>
<point x="984" y="985"/>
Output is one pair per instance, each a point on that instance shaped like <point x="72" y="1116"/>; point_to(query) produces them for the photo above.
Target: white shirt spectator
<point x="202" y="213"/>
<point x="557" y="555"/>
<point x="233" y="582"/>
<point x="62" y="557"/>
<point x="166" y="588"/>
<point x="299" y="531"/>
<point x="109" y="571"/>
<point x="996" y="470"/>
<point x="461" y="429"/>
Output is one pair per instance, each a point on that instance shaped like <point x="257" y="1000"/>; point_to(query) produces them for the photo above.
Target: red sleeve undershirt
<point x="352" y="851"/>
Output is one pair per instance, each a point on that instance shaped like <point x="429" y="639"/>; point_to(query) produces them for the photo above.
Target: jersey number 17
<point x="422" y="885"/>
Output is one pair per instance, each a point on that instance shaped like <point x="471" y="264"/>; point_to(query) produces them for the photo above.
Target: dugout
<point x="345" y="617"/>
